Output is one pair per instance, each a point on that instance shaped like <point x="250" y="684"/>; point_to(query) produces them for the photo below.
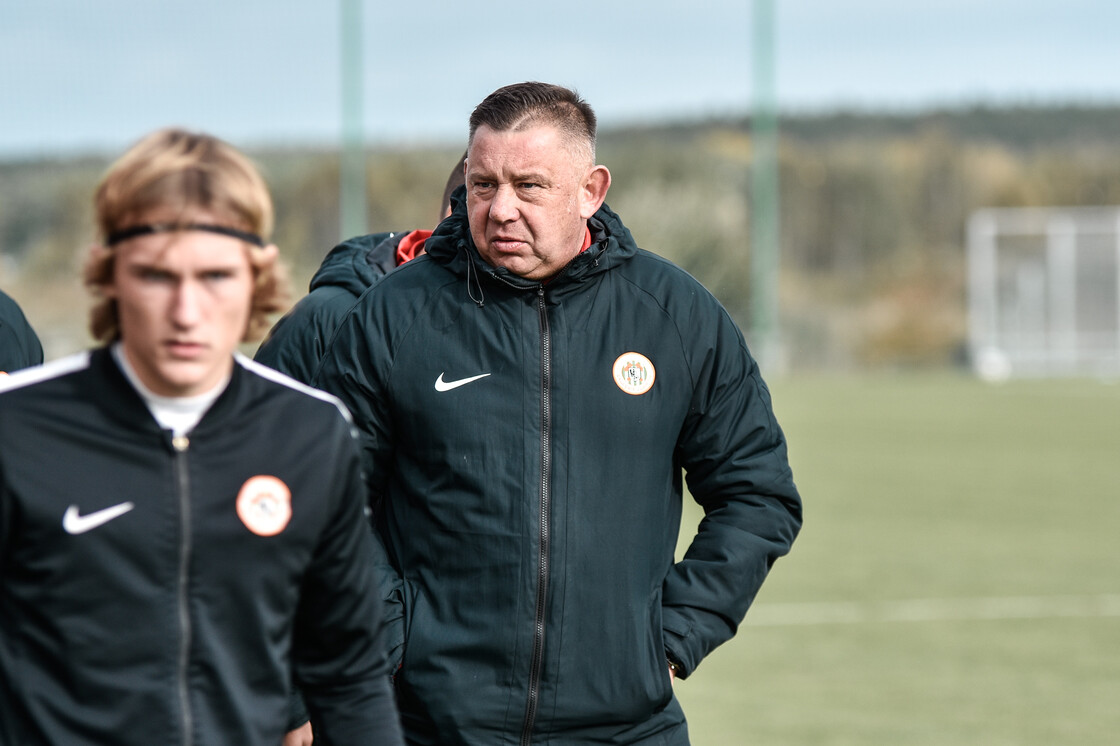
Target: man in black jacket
<point x="529" y="393"/>
<point x="19" y="345"/>
<point x="181" y="534"/>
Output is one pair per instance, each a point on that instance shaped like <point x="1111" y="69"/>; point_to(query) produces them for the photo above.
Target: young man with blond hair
<point x="181" y="534"/>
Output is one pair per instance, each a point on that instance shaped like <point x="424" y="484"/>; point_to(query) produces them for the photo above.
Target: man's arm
<point x="294" y="346"/>
<point x="338" y="654"/>
<point x="353" y="369"/>
<point x="734" y="455"/>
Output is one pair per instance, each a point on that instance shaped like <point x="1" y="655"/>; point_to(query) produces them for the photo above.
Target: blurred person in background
<point x="295" y="345"/>
<point x="19" y="345"/>
<point x="181" y="529"/>
<point x="528" y="394"/>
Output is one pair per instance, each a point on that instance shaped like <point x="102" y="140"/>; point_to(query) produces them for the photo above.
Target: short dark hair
<point x="524" y="105"/>
<point x="455" y="180"/>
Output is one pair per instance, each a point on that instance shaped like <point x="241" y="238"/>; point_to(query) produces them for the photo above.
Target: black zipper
<point x="181" y="443"/>
<point x="537" y="662"/>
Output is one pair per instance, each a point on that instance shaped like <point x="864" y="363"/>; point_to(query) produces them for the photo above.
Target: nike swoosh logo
<point x="442" y="385"/>
<point x="73" y="523"/>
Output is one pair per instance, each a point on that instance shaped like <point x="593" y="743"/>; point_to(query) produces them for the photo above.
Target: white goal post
<point x="1044" y="292"/>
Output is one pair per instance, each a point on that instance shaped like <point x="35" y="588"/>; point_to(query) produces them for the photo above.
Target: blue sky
<point x="78" y="75"/>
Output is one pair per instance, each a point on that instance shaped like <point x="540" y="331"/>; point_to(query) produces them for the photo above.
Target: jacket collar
<point x="120" y="401"/>
<point x="358" y="262"/>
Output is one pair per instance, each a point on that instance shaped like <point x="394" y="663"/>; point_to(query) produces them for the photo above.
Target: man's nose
<point x="504" y="207"/>
<point x="186" y="307"/>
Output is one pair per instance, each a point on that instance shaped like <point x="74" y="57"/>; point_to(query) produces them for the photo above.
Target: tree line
<point x="873" y="207"/>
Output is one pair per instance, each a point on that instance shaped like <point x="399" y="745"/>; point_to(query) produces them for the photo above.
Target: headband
<point x="143" y="230"/>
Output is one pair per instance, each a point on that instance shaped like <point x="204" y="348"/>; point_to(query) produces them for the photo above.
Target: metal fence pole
<point x="764" y="191"/>
<point x="352" y="169"/>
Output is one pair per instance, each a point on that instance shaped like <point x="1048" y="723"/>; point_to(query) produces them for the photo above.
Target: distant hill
<point x="1021" y="127"/>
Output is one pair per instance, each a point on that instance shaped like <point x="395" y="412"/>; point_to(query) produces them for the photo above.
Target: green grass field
<point x="957" y="580"/>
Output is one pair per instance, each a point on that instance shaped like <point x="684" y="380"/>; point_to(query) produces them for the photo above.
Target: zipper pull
<point x="180" y="443"/>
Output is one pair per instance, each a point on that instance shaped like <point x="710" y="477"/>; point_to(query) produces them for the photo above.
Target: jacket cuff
<point x="297" y="711"/>
<point x="677" y="633"/>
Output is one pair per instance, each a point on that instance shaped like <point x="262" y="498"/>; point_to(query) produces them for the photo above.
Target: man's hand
<point x="301" y="736"/>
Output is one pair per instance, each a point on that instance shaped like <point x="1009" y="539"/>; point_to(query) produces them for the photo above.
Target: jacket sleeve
<point x="294" y="346"/>
<point x="19" y="345"/>
<point x="354" y="368"/>
<point x="735" y="460"/>
<point x="338" y="654"/>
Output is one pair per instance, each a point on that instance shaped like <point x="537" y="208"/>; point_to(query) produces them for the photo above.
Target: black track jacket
<point x="142" y="599"/>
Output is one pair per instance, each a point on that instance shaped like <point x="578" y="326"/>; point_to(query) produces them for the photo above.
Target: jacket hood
<point x="452" y="246"/>
<point x="357" y="262"/>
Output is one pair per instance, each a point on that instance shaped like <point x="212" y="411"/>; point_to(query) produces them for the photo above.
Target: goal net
<point x="1044" y="292"/>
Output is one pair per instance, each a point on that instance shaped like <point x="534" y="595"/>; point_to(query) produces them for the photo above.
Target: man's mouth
<point x="506" y="243"/>
<point x="184" y="348"/>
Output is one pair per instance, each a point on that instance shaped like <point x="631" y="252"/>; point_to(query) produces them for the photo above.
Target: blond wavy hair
<point x="175" y="172"/>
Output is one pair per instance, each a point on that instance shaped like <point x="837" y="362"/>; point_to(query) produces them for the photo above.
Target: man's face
<point x="528" y="199"/>
<point x="183" y="301"/>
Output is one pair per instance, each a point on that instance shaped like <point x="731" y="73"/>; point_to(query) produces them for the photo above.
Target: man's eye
<point x="216" y="275"/>
<point x="155" y="276"/>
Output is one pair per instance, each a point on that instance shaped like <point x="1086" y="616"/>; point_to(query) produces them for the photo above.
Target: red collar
<point x="586" y="239"/>
<point x="411" y="246"/>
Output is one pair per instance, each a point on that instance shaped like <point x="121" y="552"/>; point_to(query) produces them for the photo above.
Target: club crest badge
<point x="634" y="373"/>
<point x="264" y="505"/>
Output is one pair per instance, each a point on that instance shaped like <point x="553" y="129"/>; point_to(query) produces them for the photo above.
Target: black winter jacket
<point x="138" y="603"/>
<point x="525" y="444"/>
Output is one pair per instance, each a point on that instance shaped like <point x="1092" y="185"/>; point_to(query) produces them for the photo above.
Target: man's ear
<point x="268" y="255"/>
<point x="262" y="258"/>
<point x="594" y="191"/>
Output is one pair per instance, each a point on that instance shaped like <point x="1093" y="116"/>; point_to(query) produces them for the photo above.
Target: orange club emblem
<point x="264" y="505"/>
